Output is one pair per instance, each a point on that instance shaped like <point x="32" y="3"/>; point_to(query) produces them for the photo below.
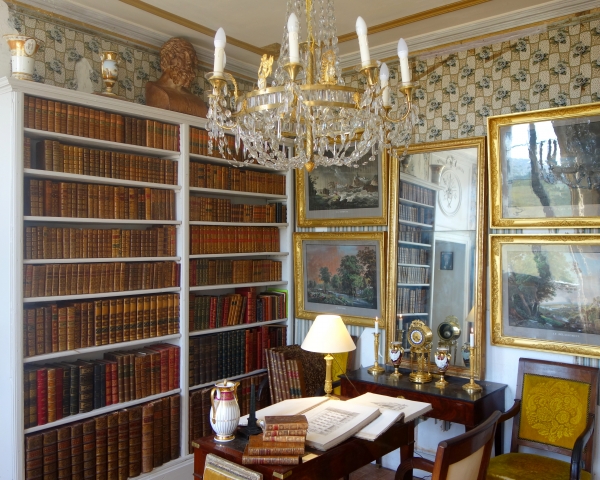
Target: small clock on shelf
<point x="419" y="338"/>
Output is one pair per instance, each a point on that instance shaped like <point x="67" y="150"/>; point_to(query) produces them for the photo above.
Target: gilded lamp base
<point x="420" y="377"/>
<point x="224" y="438"/>
<point x="441" y="383"/>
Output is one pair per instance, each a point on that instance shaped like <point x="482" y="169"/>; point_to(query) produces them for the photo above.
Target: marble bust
<point x="178" y="62"/>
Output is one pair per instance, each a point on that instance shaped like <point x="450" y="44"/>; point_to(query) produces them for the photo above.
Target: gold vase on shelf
<point x="110" y="71"/>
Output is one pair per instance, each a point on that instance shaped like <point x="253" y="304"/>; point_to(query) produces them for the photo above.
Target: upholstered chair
<point x="464" y="457"/>
<point x="554" y="411"/>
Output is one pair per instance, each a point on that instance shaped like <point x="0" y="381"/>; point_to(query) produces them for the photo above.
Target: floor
<point x="371" y="472"/>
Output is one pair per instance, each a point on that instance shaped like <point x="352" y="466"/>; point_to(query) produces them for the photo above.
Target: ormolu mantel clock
<point x="420" y="338"/>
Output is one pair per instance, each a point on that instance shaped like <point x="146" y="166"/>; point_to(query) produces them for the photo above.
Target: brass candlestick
<point x="472" y="387"/>
<point x="376" y="369"/>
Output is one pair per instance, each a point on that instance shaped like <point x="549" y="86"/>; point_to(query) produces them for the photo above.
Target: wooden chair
<point x="554" y="410"/>
<point x="464" y="457"/>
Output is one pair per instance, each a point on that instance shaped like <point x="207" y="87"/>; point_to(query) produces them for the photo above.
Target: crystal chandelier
<point x="330" y="123"/>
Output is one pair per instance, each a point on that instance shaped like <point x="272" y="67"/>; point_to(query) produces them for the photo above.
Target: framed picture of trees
<point x="545" y="293"/>
<point x="544" y="168"/>
<point x="343" y="196"/>
<point x="341" y="274"/>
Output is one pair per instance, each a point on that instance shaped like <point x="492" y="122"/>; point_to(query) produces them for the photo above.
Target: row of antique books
<point x="416" y="214"/>
<point x="231" y="353"/>
<point x="414" y="234"/>
<point x="89" y="278"/>
<point x="413" y="255"/>
<point x="89" y="200"/>
<point x="412" y="300"/>
<point x="120" y="444"/>
<point x="51" y="155"/>
<point x="57" y="390"/>
<point x="206" y="209"/>
<point x="61" y="117"/>
<point x="200" y="405"/>
<point x="208" y="239"/>
<point x="64" y="242"/>
<point x="63" y="326"/>
<point x="242" y="307"/>
<point x="282" y="442"/>
<point x="200" y="144"/>
<point x="413" y="274"/>
<point x="206" y="175"/>
<point x="218" y="272"/>
<point x="418" y="194"/>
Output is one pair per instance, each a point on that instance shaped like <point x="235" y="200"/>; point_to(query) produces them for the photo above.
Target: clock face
<point x="416" y="337"/>
<point x="419" y="334"/>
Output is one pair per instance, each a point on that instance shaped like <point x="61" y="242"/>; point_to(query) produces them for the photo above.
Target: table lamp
<point x="328" y="334"/>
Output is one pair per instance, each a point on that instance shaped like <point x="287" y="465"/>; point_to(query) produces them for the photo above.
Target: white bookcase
<point x="13" y="221"/>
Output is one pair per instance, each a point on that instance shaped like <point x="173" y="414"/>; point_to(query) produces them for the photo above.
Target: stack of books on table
<point x="282" y="441"/>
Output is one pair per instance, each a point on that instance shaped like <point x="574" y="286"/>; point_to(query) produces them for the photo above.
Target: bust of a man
<point x="178" y="62"/>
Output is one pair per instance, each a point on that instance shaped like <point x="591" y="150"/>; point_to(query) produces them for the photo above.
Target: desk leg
<point x="406" y="452"/>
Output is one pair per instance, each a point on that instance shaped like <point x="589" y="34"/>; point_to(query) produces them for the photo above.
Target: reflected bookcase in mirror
<point x="436" y="243"/>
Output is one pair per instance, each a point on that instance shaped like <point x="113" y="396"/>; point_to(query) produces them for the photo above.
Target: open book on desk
<point x="330" y="422"/>
<point x="392" y="409"/>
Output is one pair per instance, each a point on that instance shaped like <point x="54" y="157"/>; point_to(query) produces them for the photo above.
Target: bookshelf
<point x="145" y="189"/>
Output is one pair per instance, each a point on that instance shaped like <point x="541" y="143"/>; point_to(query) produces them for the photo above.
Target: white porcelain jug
<point x="22" y="51"/>
<point x="224" y="411"/>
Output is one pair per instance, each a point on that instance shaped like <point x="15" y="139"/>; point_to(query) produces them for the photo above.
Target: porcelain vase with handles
<point x="224" y="411"/>
<point x="22" y="53"/>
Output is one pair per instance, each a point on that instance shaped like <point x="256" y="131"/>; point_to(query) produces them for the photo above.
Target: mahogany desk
<point x="335" y="463"/>
<point x="452" y="403"/>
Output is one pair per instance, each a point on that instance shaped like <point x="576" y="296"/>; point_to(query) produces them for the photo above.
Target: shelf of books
<point x="140" y="269"/>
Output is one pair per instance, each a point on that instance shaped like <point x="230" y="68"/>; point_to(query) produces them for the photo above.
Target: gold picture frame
<point x="542" y="172"/>
<point x="545" y="293"/>
<point x="318" y="293"/>
<point x="359" y="187"/>
<point x="456" y="171"/>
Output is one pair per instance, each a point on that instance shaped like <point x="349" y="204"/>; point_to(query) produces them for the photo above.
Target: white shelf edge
<point x="209" y="331"/>
<point x="413" y="265"/>
<point x="115" y="221"/>
<point x="82" y="296"/>
<point x="100" y="411"/>
<point x="233" y="255"/>
<point x="406" y="201"/>
<point x="416" y="224"/>
<point x="237" y="193"/>
<point x="237" y="285"/>
<point x="239" y="224"/>
<point x="35" y="173"/>
<point x="413" y="314"/>
<point x="99" y="260"/>
<point x="155" y="152"/>
<point x="405" y="242"/>
<point x="237" y="377"/>
<point x="413" y="285"/>
<point x="233" y="163"/>
<point x="100" y="348"/>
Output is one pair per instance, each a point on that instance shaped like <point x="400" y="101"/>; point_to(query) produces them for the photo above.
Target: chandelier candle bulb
<point x="293" y="28"/>
<point x="220" y="41"/>
<point x="403" y="56"/>
<point x="363" y="42"/>
<point x="384" y="78"/>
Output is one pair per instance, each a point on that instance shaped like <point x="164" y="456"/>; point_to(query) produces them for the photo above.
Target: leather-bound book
<point x="148" y="437"/>
<point x="112" y="446"/>
<point x="49" y="440"/>
<point x="34" y="457"/>
<point x="175" y="403"/>
<point x="42" y="396"/>
<point x="123" y="445"/>
<point x="248" y="459"/>
<point x="158" y="434"/>
<point x="135" y="441"/>
<point x="63" y="438"/>
<point x="101" y="447"/>
<point x="259" y="447"/>
<point x="86" y="386"/>
<point x="89" y="448"/>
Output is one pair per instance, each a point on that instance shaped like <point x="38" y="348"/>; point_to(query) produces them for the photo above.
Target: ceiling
<point x="252" y="25"/>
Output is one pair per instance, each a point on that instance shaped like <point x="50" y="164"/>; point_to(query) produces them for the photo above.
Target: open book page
<point x="294" y="406"/>
<point x="333" y="422"/>
<point x="392" y="409"/>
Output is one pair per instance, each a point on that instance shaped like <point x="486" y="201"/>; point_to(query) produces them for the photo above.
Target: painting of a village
<point x="343" y="188"/>
<point x="554" y="287"/>
<point x="342" y="275"/>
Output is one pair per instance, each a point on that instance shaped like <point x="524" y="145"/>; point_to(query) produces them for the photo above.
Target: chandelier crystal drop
<point x="330" y="123"/>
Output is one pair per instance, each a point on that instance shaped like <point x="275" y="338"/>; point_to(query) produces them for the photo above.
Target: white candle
<point x="220" y="41"/>
<point x="384" y="78"/>
<point x="403" y="56"/>
<point x="293" y="28"/>
<point x="472" y="338"/>
<point x="363" y="42"/>
<point x="376" y="325"/>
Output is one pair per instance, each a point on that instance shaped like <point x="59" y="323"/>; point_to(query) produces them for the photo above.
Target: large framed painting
<point x="545" y="168"/>
<point x="545" y="293"/>
<point x="341" y="274"/>
<point x="343" y="196"/>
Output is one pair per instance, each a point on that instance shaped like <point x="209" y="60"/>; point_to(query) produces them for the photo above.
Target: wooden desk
<point x="335" y="463"/>
<point x="452" y="403"/>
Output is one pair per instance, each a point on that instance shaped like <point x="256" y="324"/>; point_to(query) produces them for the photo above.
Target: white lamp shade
<point x="328" y="334"/>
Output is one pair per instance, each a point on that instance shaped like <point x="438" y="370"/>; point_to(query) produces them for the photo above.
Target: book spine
<point x="266" y="451"/>
<point x="278" y="460"/>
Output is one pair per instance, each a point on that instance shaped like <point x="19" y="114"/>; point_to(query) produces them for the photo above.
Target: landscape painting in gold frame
<point x="338" y="196"/>
<point x="545" y="293"/>
<point x="340" y="274"/>
<point x="544" y="168"/>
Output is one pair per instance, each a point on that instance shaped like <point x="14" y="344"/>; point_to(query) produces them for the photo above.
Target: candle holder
<point x="376" y="369"/>
<point x="472" y="387"/>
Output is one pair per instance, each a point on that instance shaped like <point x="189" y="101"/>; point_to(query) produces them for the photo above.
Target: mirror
<point x="436" y="243"/>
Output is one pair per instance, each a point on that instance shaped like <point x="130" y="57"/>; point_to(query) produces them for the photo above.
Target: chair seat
<point x="526" y="466"/>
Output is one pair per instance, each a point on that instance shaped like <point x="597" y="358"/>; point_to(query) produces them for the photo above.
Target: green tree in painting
<point x="325" y="276"/>
<point x="348" y="270"/>
<point x="336" y="283"/>
<point x="368" y="259"/>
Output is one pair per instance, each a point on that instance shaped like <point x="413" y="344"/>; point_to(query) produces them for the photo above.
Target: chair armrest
<point x="412" y="463"/>
<point x="580" y="443"/>
<point x="512" y="412"/>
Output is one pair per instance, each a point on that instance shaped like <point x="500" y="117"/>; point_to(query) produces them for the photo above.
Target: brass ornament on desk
<point x="420" y="338"/>
<point x="449" y="331"/>
<point x="376" y="369"/>
<point x="396" y="352"/>
<point x="442" y="361"/>
<point x="472" y="387"/>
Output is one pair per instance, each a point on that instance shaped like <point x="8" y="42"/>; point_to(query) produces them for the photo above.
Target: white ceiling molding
<point x="131" y="30"/>
<point x="480" y="28"/>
